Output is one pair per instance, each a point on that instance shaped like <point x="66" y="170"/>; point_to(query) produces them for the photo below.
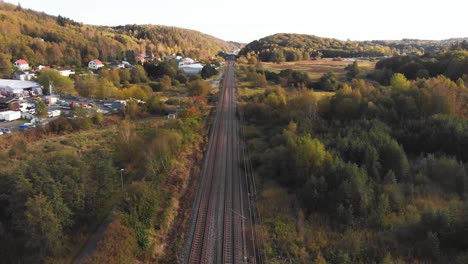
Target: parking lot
<point x="65" y="104"/>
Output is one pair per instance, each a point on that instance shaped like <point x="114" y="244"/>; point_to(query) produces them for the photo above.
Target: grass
<point x="316" y="68"/>
<point x="248" y="92"/>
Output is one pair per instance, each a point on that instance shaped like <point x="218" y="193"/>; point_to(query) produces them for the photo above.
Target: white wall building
<point x="21" y="64"/>
<point x="95" y="64"/>
<point x="18" y="88"/>
<point x="66" y="71"/>
<point x="195" y="68"/>
<point x="26" y="75"/>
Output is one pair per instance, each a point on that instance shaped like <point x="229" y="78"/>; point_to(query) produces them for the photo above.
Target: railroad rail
<point x="222" y="224"/>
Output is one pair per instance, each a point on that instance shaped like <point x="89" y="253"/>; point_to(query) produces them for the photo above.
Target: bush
<point x="198" y="88"/>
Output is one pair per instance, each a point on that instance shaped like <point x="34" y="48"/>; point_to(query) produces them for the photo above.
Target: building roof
<point x="21" y="62"/>
<point x="98" y="62"/>
<point x="192" y="66"/>
<point x="16" y="84"/>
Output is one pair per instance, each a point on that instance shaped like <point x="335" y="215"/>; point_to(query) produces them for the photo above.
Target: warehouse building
<point x="19" y="88"/>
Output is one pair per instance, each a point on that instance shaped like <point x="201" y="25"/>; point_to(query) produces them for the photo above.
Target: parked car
<point x="5" y="130"/>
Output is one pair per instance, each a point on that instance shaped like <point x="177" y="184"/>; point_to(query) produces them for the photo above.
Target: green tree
<point x="165" y="83"/>
<point x="329" y="82"/>
<point x="199" y="88"/>
<point x="41" y="109"/>
<point x="154" y="105"/>
<point x="310" y="154"/>
<point x="60" y="84"/>
<point x="399" y="81"/>
<point x="105" y="89"/>
<point x="208" y="71"/>
<point x="352" y="70"/>
<point x="141" y="203"/>
<point x="125" y="76"/>
<point x="138" y="74"/>
<point x="43" y="227"/>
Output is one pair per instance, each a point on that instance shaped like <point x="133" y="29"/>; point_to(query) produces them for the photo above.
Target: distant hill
<point x="43" y="39"/>
<point x="292" y="47"/>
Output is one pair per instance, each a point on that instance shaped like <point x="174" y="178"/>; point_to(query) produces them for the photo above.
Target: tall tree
<point x="352" y="70"/>
<point x="60" y="84"/>
<point x="43" y="227"/>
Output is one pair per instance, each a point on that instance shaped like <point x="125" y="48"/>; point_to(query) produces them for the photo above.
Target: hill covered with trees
<point x="293" y="47"/>
<point x="43" y="39"/>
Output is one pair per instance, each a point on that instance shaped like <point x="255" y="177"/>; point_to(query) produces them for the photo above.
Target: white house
<point x="26" y="75"/>
<point x="95" y="64"/>
<point x="21" y="64"/>
<point x="65" y="71"/>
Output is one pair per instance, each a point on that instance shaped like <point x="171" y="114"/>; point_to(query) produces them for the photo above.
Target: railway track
<point x="221" y="229"/>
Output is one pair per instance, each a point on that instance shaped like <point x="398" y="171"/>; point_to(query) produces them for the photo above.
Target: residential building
<point x="65" y="71"/>
<point x="95" y="64"/>
<point x="26" y="75"/>
<point x="21" y="64"/>
<point x="141" y="58"/>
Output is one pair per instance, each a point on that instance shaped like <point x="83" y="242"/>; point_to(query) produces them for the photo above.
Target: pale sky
<point x="248" y="20"/>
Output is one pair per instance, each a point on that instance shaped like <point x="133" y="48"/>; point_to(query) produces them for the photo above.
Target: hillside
<point x="292" y="47"/>
<point x="44" y="39"/>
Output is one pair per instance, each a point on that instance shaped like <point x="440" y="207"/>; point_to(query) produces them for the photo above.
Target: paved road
<point x="221" y="229"/>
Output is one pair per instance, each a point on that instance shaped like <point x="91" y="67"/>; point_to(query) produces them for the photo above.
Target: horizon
<point x="185" y="14"/>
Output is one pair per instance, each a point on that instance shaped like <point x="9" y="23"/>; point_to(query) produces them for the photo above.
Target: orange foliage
<point x="116" y="246"/>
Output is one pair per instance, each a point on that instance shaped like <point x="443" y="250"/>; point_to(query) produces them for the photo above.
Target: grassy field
<point x="316" y="68"/>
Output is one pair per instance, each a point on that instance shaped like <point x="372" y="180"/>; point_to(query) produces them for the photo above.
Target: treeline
<point x="453" y="64"/>
<point x="140" y="82"/>
<point x="420" y="47"/>
<point x="294" y="47"/>
<point x="168" y="40"/>
<point x="379" y="172"/>
<point x="49" y="40"/>
<point x="296" y="79"/>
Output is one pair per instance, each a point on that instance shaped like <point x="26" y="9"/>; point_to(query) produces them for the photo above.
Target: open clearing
<point x="316" y="68"/>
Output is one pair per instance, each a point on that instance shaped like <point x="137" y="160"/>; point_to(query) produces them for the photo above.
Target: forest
<point x="373" y="173"/>
<point x="294" y="47"/>
<point x="452" y="64"/>
<point x="48" y="40"/>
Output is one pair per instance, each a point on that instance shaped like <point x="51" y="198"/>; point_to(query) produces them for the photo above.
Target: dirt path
<point x="92" y="242"/>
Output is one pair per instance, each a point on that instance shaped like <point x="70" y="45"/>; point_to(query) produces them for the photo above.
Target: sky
<point x="248" y="20"/>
